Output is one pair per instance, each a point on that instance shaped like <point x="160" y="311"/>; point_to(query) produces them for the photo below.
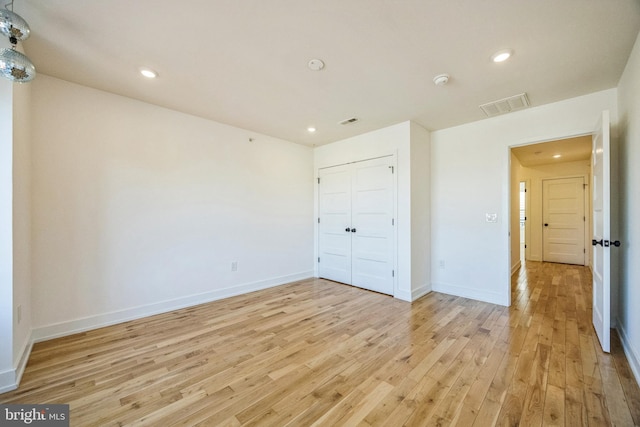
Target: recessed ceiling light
<point x="501" y="55"/>
<point x="148" y="73"/>
<point x="311" y="129"/>
<point x="316" y="64"/>
<point x="557" y="156"/>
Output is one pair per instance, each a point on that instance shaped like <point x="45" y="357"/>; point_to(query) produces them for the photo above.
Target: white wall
<point x="401" y="140"/>
<point x="420" y="211"/>
<point x="7" y="372"/>
<point x="21" y="224"/>
<point x="15" y="231"/>
<point x="471" y="177"/>
<point x="628" y="322"/>
<point x="535" y="175"/>
<point x="138" y="209"/>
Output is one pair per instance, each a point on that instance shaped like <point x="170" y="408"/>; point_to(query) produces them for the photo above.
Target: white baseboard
<point x="414" y="294"/>
<point x="9" y="380"/>
<point x="403" y="295"/>
<point x="421" y="291"/>
<point x="516" y="267"/>
<point x="25" y="352"/>
<point x="460" y="291"/>
<point x="56" y="330"/>
<point x="630" y="352"/>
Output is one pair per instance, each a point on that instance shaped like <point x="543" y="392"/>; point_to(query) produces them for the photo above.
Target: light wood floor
<point x="321" y="353"/>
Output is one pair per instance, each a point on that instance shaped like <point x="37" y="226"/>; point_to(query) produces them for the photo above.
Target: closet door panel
<point x="334" y="202"/>
<point x="371" y="217"/>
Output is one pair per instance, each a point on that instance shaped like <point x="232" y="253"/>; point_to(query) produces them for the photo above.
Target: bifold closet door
<point x="356" y="239"/>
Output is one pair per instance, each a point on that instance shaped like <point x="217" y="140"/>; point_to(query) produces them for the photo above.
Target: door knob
<point x="353" y="230"/>
<point x="546" y="225"/>
<point x="595" y="242"/>
<point x="347" y="230"/>
<point x="616" y="243"/>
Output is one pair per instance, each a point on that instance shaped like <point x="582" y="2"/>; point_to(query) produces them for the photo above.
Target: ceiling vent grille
<point x="349" y="121"/>
<point x="506" y="105"/>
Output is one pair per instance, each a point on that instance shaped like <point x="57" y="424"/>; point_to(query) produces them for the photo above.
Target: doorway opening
<point x="588" y="157"/>
<point x="533" y="165"/>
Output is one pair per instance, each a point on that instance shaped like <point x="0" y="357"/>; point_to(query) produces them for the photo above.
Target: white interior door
<point x="372" y="226"/>
<point x="356" y="224"/>
<point x="334" y="234"/>
<point x="564" y="220"/>
<point x="601" y="230"/>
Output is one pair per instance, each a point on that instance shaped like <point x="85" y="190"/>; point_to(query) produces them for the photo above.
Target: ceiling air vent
<point x="349" y="121"/>
<point x="506" y="105"/>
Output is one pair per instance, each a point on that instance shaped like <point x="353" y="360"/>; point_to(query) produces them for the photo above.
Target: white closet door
<point x="356" y="238"/>
<point x="335" y="218"/>
<point x="371" y="225"/>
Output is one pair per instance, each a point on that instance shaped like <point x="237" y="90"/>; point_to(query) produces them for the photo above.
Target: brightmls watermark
<point x="34" y="415"/>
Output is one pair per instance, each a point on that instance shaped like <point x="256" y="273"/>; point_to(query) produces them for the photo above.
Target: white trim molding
<point x="629" y="351"/>
<point x="9" y="380"/>
<point x="412" y="295"/>
<point x="25" y="352"/>
<point x="471" y="293"/>
<point x="420" y="292"/>
<point x="56" y="330"/>
<point x="516" y="267"/>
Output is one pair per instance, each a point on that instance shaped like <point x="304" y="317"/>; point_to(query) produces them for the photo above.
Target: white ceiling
<point x="570" y="150"/>
<point x="244" y="62"/>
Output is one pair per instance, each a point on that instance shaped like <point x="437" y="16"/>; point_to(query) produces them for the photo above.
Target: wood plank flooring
<point x="317" y="353"/>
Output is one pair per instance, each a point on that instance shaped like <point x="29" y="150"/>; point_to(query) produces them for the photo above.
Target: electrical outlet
<point x="492" y="217"/>
<point x="234" y="266"/>
<point x="441" y="263"/>
<point x="19" y="313"/>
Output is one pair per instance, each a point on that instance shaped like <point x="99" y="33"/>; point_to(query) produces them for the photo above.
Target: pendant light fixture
<point x="14" y="65"/>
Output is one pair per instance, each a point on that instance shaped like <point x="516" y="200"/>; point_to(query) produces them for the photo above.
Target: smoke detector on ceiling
<point x="441" y="79"/>
<point x="316" y="64"/>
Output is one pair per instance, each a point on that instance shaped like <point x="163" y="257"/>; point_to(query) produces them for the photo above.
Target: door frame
<point x="509" y="192"/>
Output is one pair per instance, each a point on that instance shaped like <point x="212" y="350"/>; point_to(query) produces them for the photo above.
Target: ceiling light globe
<point x="15" y="66"/>
<point x="13" y="26"/>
